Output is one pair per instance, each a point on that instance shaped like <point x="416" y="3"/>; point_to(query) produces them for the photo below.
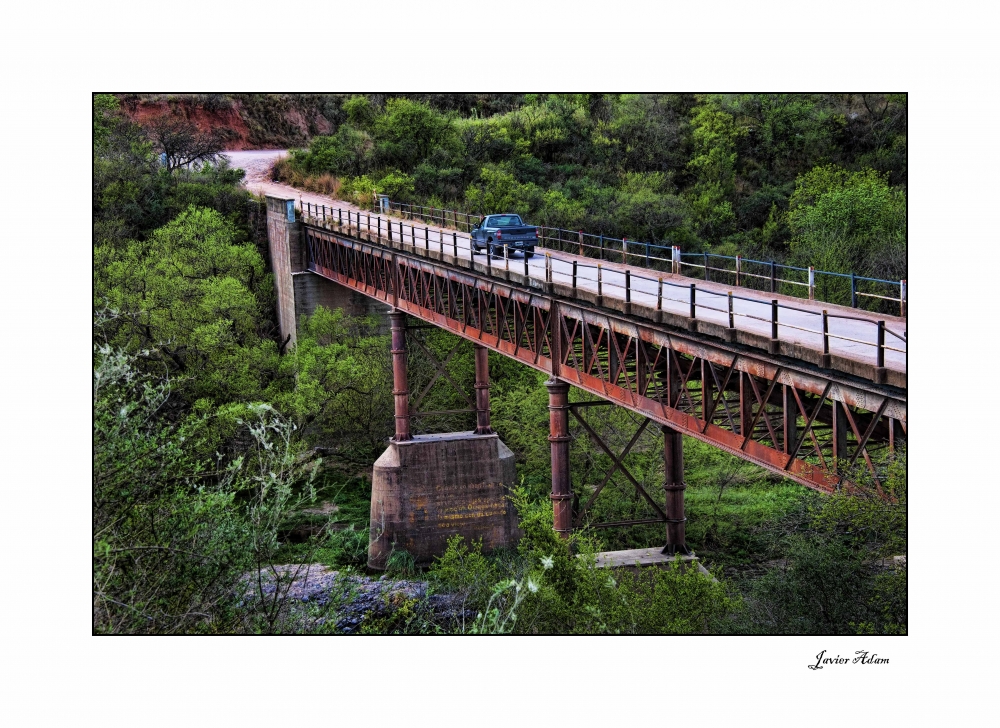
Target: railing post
<point x="427" y="239"/>
<point x="527" y="273"/>
<point x="340" y="217"/>
<point x="854" y="291"/>
<point x="581" y="242"/>
<point x="601" y="244"/>
<point x="388" y="224"/>
<point x="574" y="275"/>
<point x="378" y="228"/>
<point x="826" y="339"/>
<point x="731" y="322"/>
<point x="628" y="286"/>
<point x="739" y="268"/>
<point x="706" y="266"/>
<point x="489" y="261"/>
<point x="773" y="276"/>
<point x="647" y="255"/>
<point x="675" y="259"/>
<point x="812" y="283"/>
<point x="692" y="313"/>
<point x="548" y="267"/>
<point x="659" y="295"/>
<point x="324" y="213"/>
<point x="880" y="345"/>
<point x="454" y="243"/>
<point x="506" y="258"/>
<point x="599" y="284"/>
<point x="775" y="346"/>
<point x="902" y="298"/>
<point x="624" y="251"/>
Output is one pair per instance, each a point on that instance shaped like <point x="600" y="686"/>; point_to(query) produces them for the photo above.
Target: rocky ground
<point x="320" y="599"/>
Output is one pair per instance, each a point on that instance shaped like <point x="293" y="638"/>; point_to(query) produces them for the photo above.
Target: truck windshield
<point x="504" y="221"/>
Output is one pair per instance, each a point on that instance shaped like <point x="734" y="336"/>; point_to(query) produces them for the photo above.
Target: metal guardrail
<point x="767" y="276"/>
<point x="393" y="233"/>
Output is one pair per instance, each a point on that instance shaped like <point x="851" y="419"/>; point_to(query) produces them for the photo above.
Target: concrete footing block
<point x="430" y="488"/>
<point x="633" y="559"/>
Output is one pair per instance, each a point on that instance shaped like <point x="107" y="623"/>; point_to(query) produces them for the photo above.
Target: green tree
<point x="713" y="164"/>
<point x="407" y="132"/>
<point x="191" y="291"/>
<point x="849" y="221"/>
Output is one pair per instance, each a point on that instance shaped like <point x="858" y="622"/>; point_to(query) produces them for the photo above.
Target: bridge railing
<point x="849" y="289"/>
<point x="629" y="286"/>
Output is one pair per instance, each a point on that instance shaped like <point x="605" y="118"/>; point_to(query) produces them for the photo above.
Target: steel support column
<point x="400" y="389"/>
<point x="482" y="390"/>
<point x="559" y="438"/>
<point x="674" y="485"/>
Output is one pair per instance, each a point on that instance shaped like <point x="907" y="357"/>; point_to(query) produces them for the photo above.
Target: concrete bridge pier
<point x="428" y="488"/>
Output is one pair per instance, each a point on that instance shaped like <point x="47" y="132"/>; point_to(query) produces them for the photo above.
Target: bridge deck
<point x="852" y="331"/>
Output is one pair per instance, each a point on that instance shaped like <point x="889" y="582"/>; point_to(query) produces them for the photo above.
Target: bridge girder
<point x="788" y="416"/>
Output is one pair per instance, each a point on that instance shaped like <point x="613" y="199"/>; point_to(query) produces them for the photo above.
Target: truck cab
<point x="492" y="232"/>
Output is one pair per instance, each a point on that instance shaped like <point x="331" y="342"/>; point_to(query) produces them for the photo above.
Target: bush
<point x="552" y="586"/>
<point x="178" y="526"/>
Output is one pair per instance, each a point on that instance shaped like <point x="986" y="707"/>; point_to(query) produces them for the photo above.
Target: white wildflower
<point x="547" y="562"/>
<point x="532" y="586"/>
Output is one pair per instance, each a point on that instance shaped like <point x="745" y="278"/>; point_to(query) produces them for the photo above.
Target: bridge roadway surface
<point x="807" y="320"/>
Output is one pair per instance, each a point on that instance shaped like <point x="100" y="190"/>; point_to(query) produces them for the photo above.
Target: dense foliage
<point x="810" y="179"/>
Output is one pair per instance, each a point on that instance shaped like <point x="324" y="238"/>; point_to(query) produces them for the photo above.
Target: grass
<point x="340" y="538"/>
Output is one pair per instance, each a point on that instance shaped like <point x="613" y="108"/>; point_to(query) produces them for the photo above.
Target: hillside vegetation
<point x="808" y="179"/>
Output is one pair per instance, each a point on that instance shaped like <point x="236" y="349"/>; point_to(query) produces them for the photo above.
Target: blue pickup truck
<point x="495" y="231"/>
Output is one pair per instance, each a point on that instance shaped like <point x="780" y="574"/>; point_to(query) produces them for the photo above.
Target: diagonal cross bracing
<point x="616" y="356"/>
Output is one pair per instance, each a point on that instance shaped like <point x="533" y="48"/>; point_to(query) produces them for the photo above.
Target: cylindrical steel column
<point x="559" y="439"/>
<point x="673" y="465"/>
<point x="482" y="390"/>
<point x="400" y="390"/>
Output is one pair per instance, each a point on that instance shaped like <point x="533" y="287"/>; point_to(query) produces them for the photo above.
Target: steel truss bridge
<point x="788" y="405"/>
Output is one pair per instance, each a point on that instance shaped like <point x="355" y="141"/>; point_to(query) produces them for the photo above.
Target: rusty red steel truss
<point x="790" y="417"/>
